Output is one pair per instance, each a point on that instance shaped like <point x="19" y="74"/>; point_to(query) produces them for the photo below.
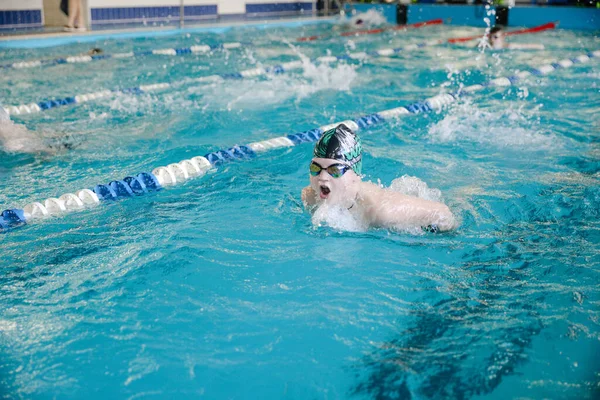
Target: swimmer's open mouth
<point x="324" y="192"/>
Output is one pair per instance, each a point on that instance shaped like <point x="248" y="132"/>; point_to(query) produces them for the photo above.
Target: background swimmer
<point x="335" y="181"/>
<point x="94" y="52"/>
<point x="369" y="19"/>
<point x="495" y="40"/>
<point x="16" y="138"/>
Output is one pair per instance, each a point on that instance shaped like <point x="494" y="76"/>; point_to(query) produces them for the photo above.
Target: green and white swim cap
<point x="342" y="144"/>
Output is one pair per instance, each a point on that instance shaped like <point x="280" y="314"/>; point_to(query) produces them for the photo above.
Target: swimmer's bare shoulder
<point x="386" y="208"/>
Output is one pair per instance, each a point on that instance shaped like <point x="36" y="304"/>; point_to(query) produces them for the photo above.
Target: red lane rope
<point x="535" y="29"/>
<point x="373" y="31"/>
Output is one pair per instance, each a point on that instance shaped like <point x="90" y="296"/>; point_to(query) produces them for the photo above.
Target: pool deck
<point x="49" y="37"/>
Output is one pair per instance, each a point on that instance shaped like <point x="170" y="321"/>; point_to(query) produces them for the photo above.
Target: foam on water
<point x="337" y="218"/>
<point x="509" y="127"/>
<point x="413" y="186"/>
<point x="16" y="138"/>
<point x="261" y="93"/>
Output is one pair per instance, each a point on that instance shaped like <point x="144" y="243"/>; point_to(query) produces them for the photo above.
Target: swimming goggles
<point x="335" y="170"/>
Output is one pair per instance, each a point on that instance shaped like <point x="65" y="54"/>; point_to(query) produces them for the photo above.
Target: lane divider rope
<point x="438" y="21"/>
<point x="179" y="172"/>
<point x="44" y="105"/>
<point x="535" y="29"/>
<point x="201" y="48"/>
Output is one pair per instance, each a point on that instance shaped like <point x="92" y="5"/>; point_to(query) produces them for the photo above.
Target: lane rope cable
<point x="44" y="105"/>
<point x="84" y="58"/>
<point x="361" y="32"/>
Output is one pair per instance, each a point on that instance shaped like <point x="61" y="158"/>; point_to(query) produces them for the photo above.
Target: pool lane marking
<point x="44" y="105"/>
<point x="179" y="172"/>
<point x="201" y="48"/>
<point x="361" y="32"/>
<point x="535" y="29"/>
<point x="32" y="108"/>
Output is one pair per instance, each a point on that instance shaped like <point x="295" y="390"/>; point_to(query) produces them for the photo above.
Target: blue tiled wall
<point x="264" y="8"/>
<point x="127" y="14"/>
<point x="569" y="17"/>
<point x="20" y="17"/>
<point x="453" y="14"/>
<point x="196" y="11"/>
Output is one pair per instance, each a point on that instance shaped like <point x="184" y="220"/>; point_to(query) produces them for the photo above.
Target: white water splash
<point x="502" y="127"/>
<point x="413" y="186"/>
<point x="483" y="42"/>
<point x="337" y="218"/>
<point x="369" y="18"/>
<point x="16" y="138"/>
<point x="256" y="94"/>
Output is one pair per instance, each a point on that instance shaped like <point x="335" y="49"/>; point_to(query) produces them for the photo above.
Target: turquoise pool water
<point x="222" y="287"/>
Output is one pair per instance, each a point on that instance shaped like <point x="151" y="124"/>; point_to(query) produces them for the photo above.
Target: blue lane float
<point x="197" y="49"/>
<point x="146" y="182"/>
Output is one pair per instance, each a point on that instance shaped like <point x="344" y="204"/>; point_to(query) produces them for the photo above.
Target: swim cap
<point x="341" y="143"/>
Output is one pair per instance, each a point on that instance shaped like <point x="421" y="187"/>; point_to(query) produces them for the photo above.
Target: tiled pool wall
<point x="29" y="13"/>
<point x="21" y="13"/>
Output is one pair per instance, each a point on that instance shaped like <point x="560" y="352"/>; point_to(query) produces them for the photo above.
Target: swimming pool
<point x="221" y="287"/>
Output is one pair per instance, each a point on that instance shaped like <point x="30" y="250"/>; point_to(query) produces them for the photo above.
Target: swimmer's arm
<point x="394" y="209"/>
<point x="309" y="197"/>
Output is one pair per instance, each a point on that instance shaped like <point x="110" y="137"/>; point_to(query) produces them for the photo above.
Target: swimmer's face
<point x="341" y="190"/>
<point x="497" y="40"/>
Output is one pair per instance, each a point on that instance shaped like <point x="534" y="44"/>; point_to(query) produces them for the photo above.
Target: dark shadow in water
<point x="583" y="164"/>
<point x="464" y="344"/>
<point x="440" y="358"/>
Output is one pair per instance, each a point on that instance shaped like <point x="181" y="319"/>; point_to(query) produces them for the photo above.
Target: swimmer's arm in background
<point x="391" y="209"/>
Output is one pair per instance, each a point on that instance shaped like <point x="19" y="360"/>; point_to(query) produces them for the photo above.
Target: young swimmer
<point x="335" y="181"/>
<point x="94" y="52"/>
<point x="495" y="40"/>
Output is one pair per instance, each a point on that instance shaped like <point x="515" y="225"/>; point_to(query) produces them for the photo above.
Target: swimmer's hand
<point x="309" y="197"/>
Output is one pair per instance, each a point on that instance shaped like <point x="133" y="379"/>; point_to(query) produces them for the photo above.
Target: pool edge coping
<point x="62" y="38"/>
